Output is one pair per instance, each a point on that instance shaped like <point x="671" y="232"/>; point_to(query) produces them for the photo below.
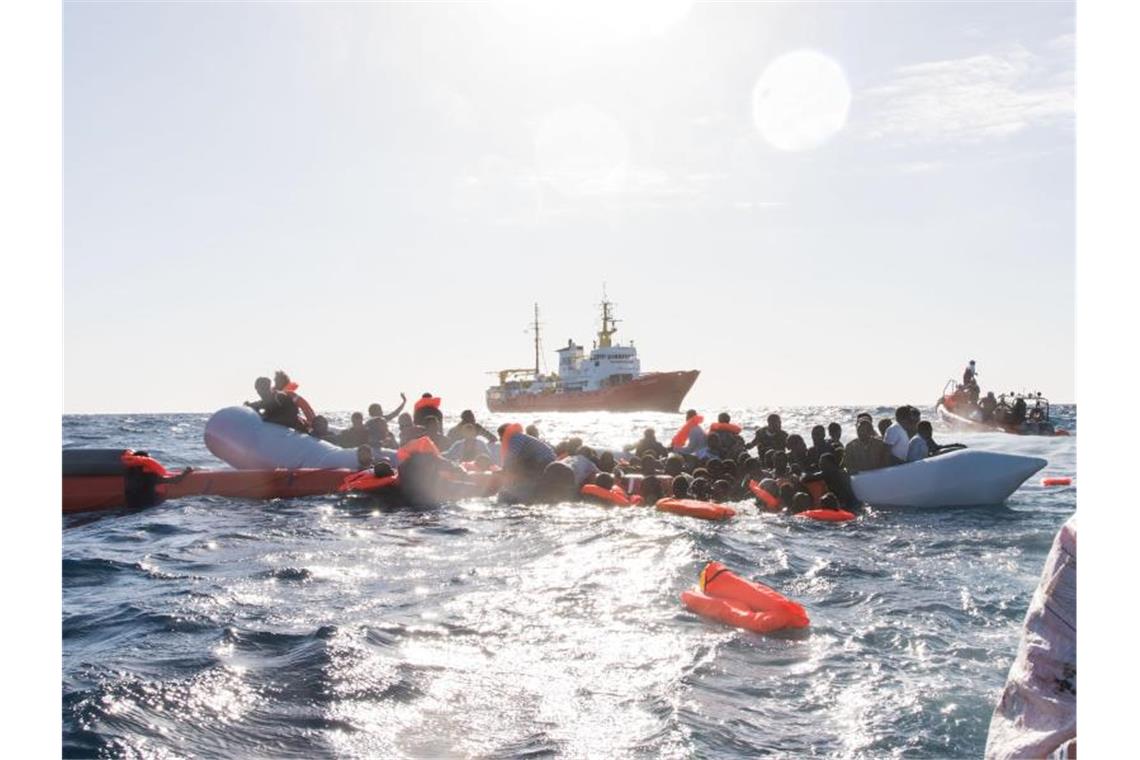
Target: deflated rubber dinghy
<point x="964" y="478"/>
<point x="100" y="479"/>
<point x="238" y="436"/>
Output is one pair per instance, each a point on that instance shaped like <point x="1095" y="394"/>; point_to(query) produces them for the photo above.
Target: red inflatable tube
<point x="730" y="599"/>
<point x="769" y="501"/>
<point x="1056" y="481"/>
<point x="704" y="510"/>
<point x="827" y="515"/>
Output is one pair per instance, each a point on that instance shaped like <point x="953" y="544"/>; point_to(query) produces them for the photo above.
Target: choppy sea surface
<point x="330" y="627"/>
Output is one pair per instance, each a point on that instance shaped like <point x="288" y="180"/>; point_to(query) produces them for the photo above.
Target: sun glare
<point x="591" y="22"/>
<point x="801" y="101"/>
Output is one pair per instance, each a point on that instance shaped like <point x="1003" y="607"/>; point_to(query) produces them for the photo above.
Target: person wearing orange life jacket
<point x="275" y="406"/>
<point x="427" y="406"/>
<point x="282" y="383"/>
<point x="724" y="439"/>
<point x="691" y="439"/>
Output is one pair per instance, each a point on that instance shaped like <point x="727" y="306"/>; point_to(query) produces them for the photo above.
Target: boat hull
<point x="959" y="422"/>
<point x="965" y="478"/>
<point x="652" y="392"/>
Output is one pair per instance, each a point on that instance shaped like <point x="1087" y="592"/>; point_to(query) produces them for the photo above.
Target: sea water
<point x="333" y="627"/>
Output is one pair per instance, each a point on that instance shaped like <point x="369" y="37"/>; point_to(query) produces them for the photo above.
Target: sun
<point x="801" y="101"/>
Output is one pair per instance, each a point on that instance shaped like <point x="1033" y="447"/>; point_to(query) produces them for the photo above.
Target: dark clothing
<point x="411" y="433"/>
<point x="352" y="437"/>
<point x="455" y="435"/>
<point x="725" y="444"/>
<point x="987" y="405"/>
<point x="866" y="455"/>
<point x="526" y="455"/>
<point x="766" y="440"/>
<point x="1018" y="415"/>
<point x="378" y="433"/>
<point x="839" y="483"/>
<point x="815" y="452"/>
<point x="646" y="446"/>
<point x="419" y="416"/>
<point x="280" y="409"/>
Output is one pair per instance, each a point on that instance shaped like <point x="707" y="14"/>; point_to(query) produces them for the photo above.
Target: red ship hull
<point x="652" y="392"/>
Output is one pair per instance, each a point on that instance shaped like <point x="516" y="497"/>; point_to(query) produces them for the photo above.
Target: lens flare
<point x="801" y="101"/>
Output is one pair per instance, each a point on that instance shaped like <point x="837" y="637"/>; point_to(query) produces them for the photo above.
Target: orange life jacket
<point x="705" y="510"/>
<point x="682" y="436"/>
<point x="508" y="433"/>
<point x="730" y="427"/>
<point x="423" y="402"/>
<point x="290" y="387"/>
<point x="421" y="445"/>
<point x="153" y="466"/>
<point x="614" y="494"/>
<point x="770" y="501"/>
<point x="366" y="480"/>
<point x="817" y="489"/>
<point x="732" y="600"/>
<point x="303" y="406"/>
<point x="827" y="515"/>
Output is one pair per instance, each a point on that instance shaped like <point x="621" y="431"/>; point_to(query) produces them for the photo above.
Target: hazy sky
<point x="372" y="196"/>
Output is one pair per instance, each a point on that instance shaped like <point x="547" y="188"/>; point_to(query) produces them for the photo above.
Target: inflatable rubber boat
<point x="963" y="478"/>
<point x="238" y="436"/>
<point x="101" y="479"/>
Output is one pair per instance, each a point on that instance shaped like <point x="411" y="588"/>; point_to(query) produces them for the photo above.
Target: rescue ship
<point x="608" y="380"/>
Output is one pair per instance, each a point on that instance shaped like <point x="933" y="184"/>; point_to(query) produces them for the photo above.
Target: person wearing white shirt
<point x="897" y="437"/>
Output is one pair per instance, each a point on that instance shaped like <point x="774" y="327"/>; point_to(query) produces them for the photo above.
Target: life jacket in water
<point x="726" y="597"/>
<point x="770" y="502"/>
<point x="704" y="510"/>
<point x="817" y="489"/>
<point x="613" y="495"/>
<point x="827" y="515"/>
<point x="682" y="436"/>
<point x="366" y="480"/>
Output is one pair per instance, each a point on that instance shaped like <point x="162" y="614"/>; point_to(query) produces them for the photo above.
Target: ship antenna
<point x="609" y="324"/>
<point x="537" y="342"/>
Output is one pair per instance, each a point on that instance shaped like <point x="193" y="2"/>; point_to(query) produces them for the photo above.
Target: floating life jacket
<point x="769" y="501"/>
<point x="727" y="597"/>
<point x="613" y="495"/>
<point x="366" y="480"/>
<point x="1056" y="481"/>
<point x="827" y="515"/>
<point x="682" y="436"/>
<point x="704" y="510"/>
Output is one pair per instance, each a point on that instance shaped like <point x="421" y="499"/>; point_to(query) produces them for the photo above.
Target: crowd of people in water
<point x="714" y="464"/>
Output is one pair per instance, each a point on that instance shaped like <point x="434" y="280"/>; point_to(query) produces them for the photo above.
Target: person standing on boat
<point x="970" y="382"/>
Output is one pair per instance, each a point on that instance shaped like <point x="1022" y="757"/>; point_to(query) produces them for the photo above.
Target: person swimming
<point x="426" y="406"/>
<point x="724" y="440"/>
<point x="364" y="456"/>
<point x="648" y="445"/>
<point x="321" y="430"/>
<point x="377" y="423"/>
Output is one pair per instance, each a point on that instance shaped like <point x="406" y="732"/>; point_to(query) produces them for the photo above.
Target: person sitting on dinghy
<point x="897" y="435"/>
<point x="696" y="442"/>
<point x="866" y="452"/>
<point x="275" y="406"/>
<point x="320" y="429"/>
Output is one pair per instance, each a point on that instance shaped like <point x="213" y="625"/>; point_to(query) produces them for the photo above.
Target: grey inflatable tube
<point x="238" y="436"/>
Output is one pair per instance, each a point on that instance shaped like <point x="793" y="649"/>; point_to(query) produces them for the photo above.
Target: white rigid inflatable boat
<point x="964" y="478"/>
<point x="238" y="436"/>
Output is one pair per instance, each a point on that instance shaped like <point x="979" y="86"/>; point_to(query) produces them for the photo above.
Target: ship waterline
<point x="650" y="392"/>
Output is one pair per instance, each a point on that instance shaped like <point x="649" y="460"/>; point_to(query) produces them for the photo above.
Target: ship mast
<point x="537" y="341"/>
<point x="609" y="324"/>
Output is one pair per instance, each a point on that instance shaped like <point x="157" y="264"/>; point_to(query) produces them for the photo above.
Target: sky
<point x="810" y="203"/>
